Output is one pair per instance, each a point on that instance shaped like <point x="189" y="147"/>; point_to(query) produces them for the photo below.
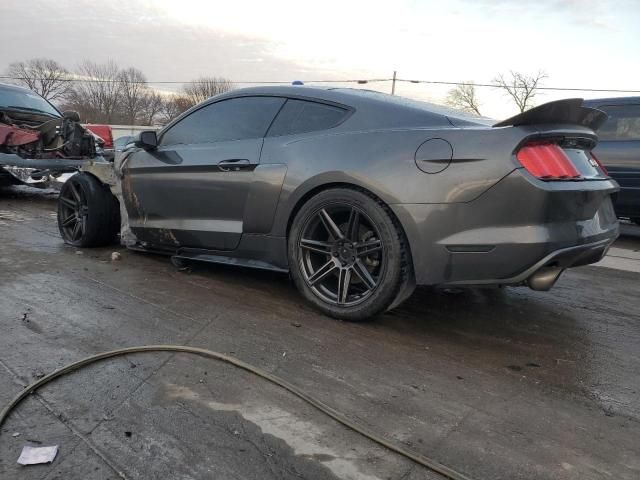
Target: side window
<point x="233" y="119"/>
<point x="623" y="122"/>
<point x="299" y="116"/>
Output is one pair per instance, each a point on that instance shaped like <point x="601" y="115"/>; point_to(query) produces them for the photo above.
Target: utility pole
<point x="393" y="84"/>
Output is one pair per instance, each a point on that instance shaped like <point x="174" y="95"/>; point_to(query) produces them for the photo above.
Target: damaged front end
<point x="37" y="142"/>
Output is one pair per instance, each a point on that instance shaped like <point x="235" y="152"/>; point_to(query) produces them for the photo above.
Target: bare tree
<point x="520" y="87"/>
<point x="174" y="105"/>
<point x="205" y="87"/>
<point x="464" y="97"/>
<point x="133" y="93"/>
<point x="42" y="75"/>
<point x="96" y="93"/>
<point x="151" y="106"/>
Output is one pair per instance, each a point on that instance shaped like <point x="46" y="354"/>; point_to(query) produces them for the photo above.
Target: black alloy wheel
<point x="88" y="213"/>
<point x="73" y="211"/>
<point x="346" y="255"/>
<point x="341" y="255"/>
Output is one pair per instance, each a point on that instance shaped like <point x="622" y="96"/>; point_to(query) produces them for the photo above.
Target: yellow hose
<point x="339" y="417"/>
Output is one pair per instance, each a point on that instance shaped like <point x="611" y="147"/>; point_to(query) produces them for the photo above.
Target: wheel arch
<point x="97" y="176"/>
<point x="89" y="174"/>
<point x="315" y="190"/>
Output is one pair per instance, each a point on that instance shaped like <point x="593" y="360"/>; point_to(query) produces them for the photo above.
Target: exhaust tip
<point x="544" y="278"/>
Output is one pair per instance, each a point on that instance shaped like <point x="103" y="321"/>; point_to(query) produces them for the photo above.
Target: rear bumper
<point x="627" y="201"/>
<point x="560" y="259"/>
<point x="513" y="230"/>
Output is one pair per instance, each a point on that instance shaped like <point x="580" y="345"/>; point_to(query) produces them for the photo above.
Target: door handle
<point x="234" y="164"/>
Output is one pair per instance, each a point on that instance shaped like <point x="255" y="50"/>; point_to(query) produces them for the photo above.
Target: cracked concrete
<point x="505" y="383"/>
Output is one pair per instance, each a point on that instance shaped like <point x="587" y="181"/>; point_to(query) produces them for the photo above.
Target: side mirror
<point x="147" y="140"/>
<point x="71" y="115"/>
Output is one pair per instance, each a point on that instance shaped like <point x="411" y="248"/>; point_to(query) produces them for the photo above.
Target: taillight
<point x="547" y="161"/>
<point x="600" y="165"/>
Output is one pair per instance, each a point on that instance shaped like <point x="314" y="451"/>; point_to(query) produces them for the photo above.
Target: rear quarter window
<point x="300" y="116"/>
<point x="623" y="123"/>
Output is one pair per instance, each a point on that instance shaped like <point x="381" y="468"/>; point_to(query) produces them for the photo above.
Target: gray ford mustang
<point x="358" y="194"/>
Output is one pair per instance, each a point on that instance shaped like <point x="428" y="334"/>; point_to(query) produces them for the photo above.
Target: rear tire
<point x="88" y="213"/>
<point x="346" y="254"/>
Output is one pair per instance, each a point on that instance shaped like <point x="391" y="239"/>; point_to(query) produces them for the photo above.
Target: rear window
<point x="623" y="123"/>
<point x="299" y="116"/>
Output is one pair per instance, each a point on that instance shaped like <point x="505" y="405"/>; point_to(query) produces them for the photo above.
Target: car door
<point x="191" y="190"/>
<point x="619" y="150"/>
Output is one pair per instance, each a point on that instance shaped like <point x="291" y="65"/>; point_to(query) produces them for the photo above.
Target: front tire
<point x="88" y="213"/>
<point x="346" y="255"/>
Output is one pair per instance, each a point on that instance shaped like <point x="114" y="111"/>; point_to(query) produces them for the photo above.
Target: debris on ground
<point x="453" y="291"/>
<point x="116" y="256"/>
<point x="181" y="265"/>
<point x="17" y="434"/>
<point x="37" y="455"/>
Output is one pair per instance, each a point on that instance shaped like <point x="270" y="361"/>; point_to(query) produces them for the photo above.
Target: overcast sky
<point x="578" y="43"/>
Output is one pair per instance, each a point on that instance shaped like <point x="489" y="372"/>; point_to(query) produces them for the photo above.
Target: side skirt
<point x="263" y="252"/>
<point x="199" y="255"/>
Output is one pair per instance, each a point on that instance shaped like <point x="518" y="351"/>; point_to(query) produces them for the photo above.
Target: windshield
<point x="25" y="100"/>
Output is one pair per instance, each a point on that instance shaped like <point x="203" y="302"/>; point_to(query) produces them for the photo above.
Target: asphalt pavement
<point x="495" y="383"/>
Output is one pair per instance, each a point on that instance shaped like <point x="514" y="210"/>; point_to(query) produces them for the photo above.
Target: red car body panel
<point x="103" y="131"/>
<point x="13" y="136"/>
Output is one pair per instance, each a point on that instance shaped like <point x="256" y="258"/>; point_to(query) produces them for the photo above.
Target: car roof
<point x="346" y="96"/>
<point x="593" y="102"/>
<point x="357" y="98"/>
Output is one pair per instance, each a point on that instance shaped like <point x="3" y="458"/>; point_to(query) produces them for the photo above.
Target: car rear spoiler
<point x="569" y="111"/>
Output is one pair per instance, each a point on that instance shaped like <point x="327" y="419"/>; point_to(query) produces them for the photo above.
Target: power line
<point x="168" y="82"/>
<point x="333" y="81"/>
<point x="494" y="85"/>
